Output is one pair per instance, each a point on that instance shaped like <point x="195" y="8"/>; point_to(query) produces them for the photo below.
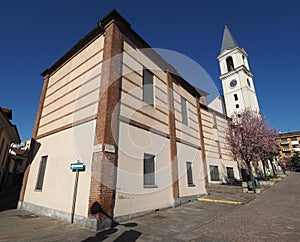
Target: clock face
<point x="233" y="83"/>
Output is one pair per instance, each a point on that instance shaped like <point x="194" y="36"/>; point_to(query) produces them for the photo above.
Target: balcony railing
<point x="284" y="142"/>
<point x="296" y="149"/>
<point x="286" y="149"/>
<point x="294" y="142"/>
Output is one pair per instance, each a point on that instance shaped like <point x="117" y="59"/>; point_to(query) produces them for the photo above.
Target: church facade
<point x="146" y="137"/>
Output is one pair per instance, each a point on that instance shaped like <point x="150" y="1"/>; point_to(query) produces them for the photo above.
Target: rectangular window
<point x="244" y="174"/>
<point x="5" y="156"/>
<point x="214" y="173"/>
<point x="215" y="121"/>
<point x="189" y="172"/>
<point x="219" y="149"/>
<point x="1" y="148"/>
<point x="148" y="87"/>
<point x="41" y="174"/>
<point x="230" y="174"/>
<point x="184" y="112"/>
<point x="149" y="170"/>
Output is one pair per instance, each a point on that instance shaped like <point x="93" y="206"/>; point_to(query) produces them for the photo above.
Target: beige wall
<point x="214" y="130"/>
<point x="73" y="90"/>
<point x="185" y="154"/>
<point x="222" y="164"/>
<point x="62" y="149"/>
<point x="132" y="105"/>
<point x="131" y="196"/>
<point x="190" y="132"/>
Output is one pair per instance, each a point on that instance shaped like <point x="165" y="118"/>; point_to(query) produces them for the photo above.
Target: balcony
<point x="286" y="149"/>
<point x="284" y="142"/>
<point x="295" y="142"/>
<point x="296" y="149"/>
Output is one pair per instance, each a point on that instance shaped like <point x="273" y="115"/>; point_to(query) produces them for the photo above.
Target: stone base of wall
<point x="60" y="215"/>
<point x="94" y="223"/>
<point x="178" y="201"/>
<point x="136" y="215"/>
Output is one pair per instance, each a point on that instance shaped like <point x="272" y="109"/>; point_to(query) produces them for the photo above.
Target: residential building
<point x="289" y="144"/>
<point x="17" y="163"/>
<point x="143" y="133"/>
<point x="8" y="135"/>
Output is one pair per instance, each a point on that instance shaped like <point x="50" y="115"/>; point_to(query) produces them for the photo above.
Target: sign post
<point x="79" y="166"/>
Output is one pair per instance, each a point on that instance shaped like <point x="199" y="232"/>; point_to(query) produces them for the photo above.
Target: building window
<point x="148" y="87"/>
<point x="244" y="174"/>
<point x="219" y="149"/>
<point x="1" y="148"/>
<point x="235" y="97"/>
<point x="189" y="172"/>
<point x="229" y="62"/>
<point x="248" y="82"/>
<point x="230" y="174"/>
<point x="184" y="112"/>
<point x="41" y="174"/>
<point x="214" y="173"/>
<point x="5" y="157"/>
<point x="149" y="170"/>
<point x="237" y="106"/>
<point x="215" y="121"/>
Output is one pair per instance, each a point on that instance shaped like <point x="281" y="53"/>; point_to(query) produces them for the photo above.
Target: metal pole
<point x="74" y="196"/>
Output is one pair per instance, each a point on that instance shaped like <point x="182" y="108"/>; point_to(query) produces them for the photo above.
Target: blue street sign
<point x="79" y="166"/>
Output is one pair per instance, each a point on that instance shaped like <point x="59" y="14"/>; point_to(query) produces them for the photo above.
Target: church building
<point x="119" y="133"/>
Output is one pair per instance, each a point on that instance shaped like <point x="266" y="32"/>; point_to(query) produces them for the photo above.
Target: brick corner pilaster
<point x="203" y="152"/>
<point x="172" y="134"/>
<point x="104" y="163"/>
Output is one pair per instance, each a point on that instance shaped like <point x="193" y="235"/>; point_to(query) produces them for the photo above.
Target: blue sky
<point x="34" y="34"/>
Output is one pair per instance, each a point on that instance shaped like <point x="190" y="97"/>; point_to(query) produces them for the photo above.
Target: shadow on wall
<point x="129" y="235"/>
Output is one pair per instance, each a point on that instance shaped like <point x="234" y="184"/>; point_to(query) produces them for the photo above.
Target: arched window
<point x="229" y="62"/>
<point x="235" y="97"/>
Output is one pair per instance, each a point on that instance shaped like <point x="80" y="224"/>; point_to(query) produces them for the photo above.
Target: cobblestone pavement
<point x="271" y="216"/>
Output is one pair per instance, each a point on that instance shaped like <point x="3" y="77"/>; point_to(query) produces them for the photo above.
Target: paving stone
<point x="273" y="215"/>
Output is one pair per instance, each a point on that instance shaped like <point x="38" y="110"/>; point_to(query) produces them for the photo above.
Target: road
<point x="273" y="215"/>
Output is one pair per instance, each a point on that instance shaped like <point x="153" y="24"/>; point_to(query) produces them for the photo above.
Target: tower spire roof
<point x="228" y="40"/>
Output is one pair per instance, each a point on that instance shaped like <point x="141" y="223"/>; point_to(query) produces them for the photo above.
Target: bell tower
<point x="236" y="77"/>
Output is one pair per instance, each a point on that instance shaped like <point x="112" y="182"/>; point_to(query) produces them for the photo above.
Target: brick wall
<point x="102" y="190"/>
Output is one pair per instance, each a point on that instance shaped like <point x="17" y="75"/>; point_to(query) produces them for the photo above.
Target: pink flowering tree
<point x="250" y="138"/>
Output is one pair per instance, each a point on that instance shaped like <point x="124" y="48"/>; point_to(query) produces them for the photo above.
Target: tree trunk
<point x="251" y="175"/>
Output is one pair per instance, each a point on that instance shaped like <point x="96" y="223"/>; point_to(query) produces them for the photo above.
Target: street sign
<point x="79" y="166"/>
